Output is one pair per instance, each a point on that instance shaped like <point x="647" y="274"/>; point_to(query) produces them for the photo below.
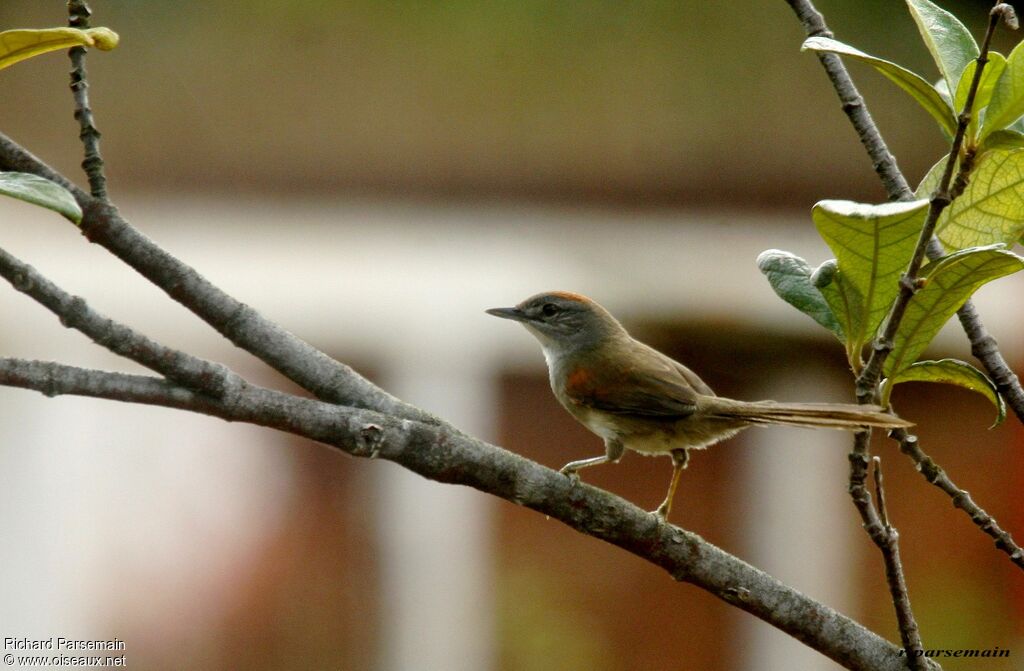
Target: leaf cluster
<point x="852" y="294"/>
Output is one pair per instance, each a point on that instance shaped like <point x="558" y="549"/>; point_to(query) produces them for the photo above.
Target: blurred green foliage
<point x="647" y="102"/>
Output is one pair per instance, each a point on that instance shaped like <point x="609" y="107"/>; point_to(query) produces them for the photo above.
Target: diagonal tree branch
<point x="204" y="376"/>
<point x="296" y="359"/>
<point x="853" y="105"/>
<point x="935" y="474"/>
<point x="444" y="455"/>
<point x="985" y="348"/>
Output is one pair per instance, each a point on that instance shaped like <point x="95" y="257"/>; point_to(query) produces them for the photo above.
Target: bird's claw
<point x="570" y="473"/>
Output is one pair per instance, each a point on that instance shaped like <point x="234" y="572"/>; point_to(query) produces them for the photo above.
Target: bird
<point x="634" y="397"/>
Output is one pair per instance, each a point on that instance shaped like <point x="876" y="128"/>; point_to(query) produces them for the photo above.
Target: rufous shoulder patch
<point x="579" y="384"/>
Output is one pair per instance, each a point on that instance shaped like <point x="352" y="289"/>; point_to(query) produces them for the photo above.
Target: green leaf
<point x="1007" y="103"/>
<point x="846" y="304"/>
<point x="931" y="180"/>
<point x="949" y="42"/>
<point x="17" y="45"/>
<point x="943" y="90"/>
<point x="40" y="191"/>
<point x="873" y="245"/>
<point x="790" y="278"/>
<point x="948" y="282"/>
<point x="954" y="371"/>
<point x="923" y="92"/>
<point x="1007" y="140"/>
<point x="989" y="76"/>
<point x="991" y="208"/>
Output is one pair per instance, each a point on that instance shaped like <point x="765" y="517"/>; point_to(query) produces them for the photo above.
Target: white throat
<point x="552" y="348"/>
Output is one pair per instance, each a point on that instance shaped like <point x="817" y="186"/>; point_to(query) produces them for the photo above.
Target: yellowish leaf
<point x="17" y="45"/>
<point x="953" y="371"/>
<point x="989" y="210"/>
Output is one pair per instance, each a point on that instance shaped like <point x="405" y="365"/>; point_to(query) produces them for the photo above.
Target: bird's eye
<point x="549" y="310"/>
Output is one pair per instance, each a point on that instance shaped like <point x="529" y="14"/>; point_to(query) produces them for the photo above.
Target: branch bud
<point x="1007" y="14"/>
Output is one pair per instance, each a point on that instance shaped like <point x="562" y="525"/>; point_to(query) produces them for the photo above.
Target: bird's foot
<point x="661" y="513"/>
<point x="570" y="473"/>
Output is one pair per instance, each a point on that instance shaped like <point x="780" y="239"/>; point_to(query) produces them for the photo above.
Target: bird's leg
<point x="613" y="450"/>
<point x="679" y="460"/>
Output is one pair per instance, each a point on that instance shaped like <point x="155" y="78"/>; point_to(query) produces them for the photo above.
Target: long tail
<point x="829" y="415"/>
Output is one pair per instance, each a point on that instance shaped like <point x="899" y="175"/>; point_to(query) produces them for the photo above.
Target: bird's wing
<point x="656" y="389"/>
<point x="692" y="378"/>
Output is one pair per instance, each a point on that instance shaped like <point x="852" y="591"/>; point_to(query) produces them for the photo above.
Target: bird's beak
<point x="515" y="314"/>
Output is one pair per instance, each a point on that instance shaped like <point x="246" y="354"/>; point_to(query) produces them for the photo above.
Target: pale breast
<point x="605" y="425"/>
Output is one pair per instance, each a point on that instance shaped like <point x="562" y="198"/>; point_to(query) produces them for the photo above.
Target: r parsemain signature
<point x="959" y="652"/>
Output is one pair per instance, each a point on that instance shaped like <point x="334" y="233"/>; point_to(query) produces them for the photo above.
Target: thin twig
<point x="73" y="312"/>
<point x="985" y="348"/>
<point x="935" y="475"/>
<point x="886" y="538"/>
<point x="876" y="462"/>
<point x="853" y="105"/>
<point x="78" y="17"/>
<point x="438" y="453"/>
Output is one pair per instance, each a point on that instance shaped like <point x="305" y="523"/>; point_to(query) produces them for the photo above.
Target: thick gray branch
<point x="311" y="419"/>
<point x="441" y="454"/>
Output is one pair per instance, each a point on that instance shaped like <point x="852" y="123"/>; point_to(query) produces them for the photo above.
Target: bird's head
<point x="562" y="321"/>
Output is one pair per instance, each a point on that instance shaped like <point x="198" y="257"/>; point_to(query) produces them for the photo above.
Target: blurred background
<point x="373" y="176"/>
